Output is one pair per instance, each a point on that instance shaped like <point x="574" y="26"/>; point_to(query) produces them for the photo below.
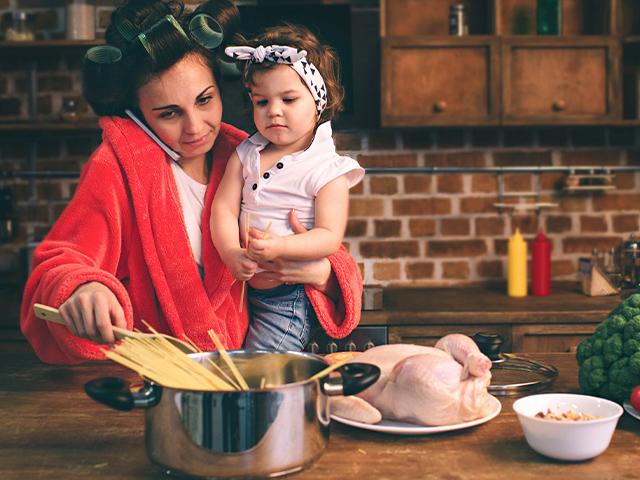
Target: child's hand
<point x="263" y="249"/>
<point x="242" y="267"/>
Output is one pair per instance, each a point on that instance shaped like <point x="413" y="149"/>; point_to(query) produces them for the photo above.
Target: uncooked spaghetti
<point x="158" y="360"/>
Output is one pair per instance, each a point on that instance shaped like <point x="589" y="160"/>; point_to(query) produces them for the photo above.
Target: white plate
<point x="401" y="428"/>
<point x="630" y="410"/>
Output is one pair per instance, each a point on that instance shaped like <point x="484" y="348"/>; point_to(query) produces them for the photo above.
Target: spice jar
<point x="81" y="20"/>
<point x="457" y="24"/>
<point x="19" y="29"/>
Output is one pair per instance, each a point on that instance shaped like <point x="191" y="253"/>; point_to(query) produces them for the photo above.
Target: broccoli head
<point x="633" y="300"/>
<point x="609" y="360"/>
<point x="616" y="323"/>
<point x="612" y="348"/>
<point x="632" y="328"/>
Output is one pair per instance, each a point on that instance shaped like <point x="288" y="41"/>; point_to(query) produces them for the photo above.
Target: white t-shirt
<point x="292" y="183"/>
<point x="191" y="194"/>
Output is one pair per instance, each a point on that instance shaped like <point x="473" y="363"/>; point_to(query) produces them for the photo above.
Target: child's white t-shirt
<point x="292" y="183"/>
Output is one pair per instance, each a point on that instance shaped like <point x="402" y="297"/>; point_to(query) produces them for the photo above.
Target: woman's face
<point x="183" y="107"/>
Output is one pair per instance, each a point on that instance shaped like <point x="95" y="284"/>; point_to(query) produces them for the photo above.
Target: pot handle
<point x="356" y="377"/>
<point x="114" y="392"/>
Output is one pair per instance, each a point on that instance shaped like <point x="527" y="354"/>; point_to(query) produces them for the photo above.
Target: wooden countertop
<point x="487" y="304"/>
<point x="51" y="429"/>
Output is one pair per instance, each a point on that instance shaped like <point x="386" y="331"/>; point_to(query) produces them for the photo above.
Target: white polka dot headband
<point x="291" y="56"/>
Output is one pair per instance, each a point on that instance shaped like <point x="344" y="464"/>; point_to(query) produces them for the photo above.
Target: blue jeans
<point x="282" y="318"/>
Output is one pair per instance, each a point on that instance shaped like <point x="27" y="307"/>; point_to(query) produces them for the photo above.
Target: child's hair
<point x="322" y="56"/>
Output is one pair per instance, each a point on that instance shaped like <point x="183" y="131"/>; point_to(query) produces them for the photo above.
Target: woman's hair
<point x="322" y="56"/>
<point x="110" y="89"/>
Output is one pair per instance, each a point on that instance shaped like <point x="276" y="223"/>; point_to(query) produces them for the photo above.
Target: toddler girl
<point x="290" y="164"/>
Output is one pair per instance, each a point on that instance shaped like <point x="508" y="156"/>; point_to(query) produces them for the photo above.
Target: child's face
<point x="284" y="111"/>
<point x="183" y="107"/>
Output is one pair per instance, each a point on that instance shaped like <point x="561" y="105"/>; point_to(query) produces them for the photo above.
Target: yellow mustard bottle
<point x="517" y="266"/>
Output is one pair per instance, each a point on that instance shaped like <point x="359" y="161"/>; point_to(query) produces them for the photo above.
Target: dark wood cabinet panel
<point x="439" y="82"/>
<point x="550" y="338"/>
<point x="554" y="82"/>
<point x="428" y="335"/>
<point x="528" y="338"/>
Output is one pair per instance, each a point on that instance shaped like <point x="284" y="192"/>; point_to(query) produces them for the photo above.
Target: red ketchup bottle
<point x="541" y="266"/>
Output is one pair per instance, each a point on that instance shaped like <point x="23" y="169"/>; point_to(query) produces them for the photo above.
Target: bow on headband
<point x="291" y="56"/>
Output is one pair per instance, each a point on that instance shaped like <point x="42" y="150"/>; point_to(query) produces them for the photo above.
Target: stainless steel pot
<point x="263" y="432"/>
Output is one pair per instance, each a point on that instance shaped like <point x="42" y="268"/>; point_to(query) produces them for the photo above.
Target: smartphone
<point x="172" y="153"/>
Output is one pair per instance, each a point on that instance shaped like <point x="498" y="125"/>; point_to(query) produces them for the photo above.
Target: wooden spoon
<point x="51" y="314"/>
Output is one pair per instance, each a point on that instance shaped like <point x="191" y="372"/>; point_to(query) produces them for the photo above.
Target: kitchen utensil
<point x="263" y="432"/>
<point x="630" y="258"/>
<point x="403" y="428"/>
<point x="510" y="374"/>
<point x="51" y="314"/>
<point x="568" y="440"/>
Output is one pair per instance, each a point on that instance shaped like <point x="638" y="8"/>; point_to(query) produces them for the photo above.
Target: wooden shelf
<point x="14" y="246"/>
<point x="631" y="39"/>
<point x="50" y="44"/>
<point x="88" y="125"/>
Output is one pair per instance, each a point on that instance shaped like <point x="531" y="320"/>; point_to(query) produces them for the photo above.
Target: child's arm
<point x="224" y="222"/>
<point x="324" y="239"/>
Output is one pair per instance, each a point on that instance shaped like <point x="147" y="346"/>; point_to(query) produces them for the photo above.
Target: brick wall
<point x="443" y="229"/>
<point x="419" y="229"/>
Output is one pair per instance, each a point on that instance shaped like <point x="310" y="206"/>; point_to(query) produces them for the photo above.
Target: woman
<point x="131" y="245"/>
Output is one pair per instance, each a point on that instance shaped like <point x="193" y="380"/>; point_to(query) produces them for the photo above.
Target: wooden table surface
<point x="50" y="429"/>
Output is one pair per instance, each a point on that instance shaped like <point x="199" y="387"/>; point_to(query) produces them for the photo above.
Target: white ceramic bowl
<point x="568" y="440"/>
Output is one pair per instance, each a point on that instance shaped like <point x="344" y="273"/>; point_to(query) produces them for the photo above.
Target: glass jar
<point x="81" y="20"/>
<point x="69" y="112"/>
<point x="630" y="259"/>
<point x="19" y="29"/>
<point x="549" y="17"/>
<point x="457" y="21"/>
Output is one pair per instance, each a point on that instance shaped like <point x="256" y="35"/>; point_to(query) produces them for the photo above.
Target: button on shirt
<point x="292" y="183"/>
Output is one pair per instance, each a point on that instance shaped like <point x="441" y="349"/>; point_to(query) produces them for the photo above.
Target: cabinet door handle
<point x="440" y="106"/>
<point x="559" y="105"/>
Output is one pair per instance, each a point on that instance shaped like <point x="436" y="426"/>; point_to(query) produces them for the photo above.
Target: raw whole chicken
<point x="422" y="385"/>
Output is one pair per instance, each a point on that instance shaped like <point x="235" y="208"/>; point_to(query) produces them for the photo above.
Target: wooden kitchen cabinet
<point x="429" y="335"/>
<point x="553" y="323"/>
<point x="523" y="338"/>
<point x="439" y="82"/>
<point x="550" y="337"/>
<point x="502" y="72"/>
<point x="560" y="80"/>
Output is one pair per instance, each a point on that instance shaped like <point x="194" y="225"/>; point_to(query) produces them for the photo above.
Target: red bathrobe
<point x="124" y="228"/>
